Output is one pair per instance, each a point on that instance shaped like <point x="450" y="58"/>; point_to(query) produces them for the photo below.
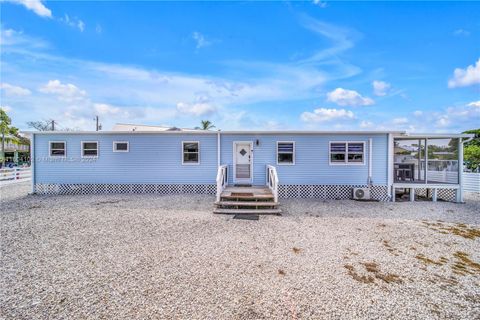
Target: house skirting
<point x="333" y="192"/>
<point x="378" y="192"/>
<point x="48" y="188"/>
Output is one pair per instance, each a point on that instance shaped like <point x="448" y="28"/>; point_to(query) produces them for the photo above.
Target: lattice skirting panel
<point x="442" y="194"/>
<point x="125" y="188"/>
<point x="330" y="191"/>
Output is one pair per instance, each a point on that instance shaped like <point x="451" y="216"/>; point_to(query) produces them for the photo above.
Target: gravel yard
<point x="150" y="256"/>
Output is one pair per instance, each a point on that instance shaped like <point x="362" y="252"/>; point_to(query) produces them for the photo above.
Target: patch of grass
<point x="296" y="250"/>
<point x="389" y="277"/>
<point x="460" y="229"/>
<point x="358" y="277"/>
<point x="373" y="267"/>
<point x="465" y="264"/>
<point x="426" y="260"/>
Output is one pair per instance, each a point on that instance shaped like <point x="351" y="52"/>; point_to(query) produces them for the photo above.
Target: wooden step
<point x="256" y="196"/>
<point x="247" y="203"/>
<point x="247" y="211"/>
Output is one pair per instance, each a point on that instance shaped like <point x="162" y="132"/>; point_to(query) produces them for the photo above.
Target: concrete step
<point x="247" y="211"/>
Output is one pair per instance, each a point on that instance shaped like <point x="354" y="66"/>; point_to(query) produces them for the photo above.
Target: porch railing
<point x="222" y="180"/>
<point x="272" y="181"/>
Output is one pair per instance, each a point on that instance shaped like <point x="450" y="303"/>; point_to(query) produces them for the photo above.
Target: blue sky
<point x="266" y="65"/>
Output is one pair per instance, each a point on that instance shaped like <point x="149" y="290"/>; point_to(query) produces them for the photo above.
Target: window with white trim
<point x="120" y="146"/>
<point x="347" y="152"/>
<point x="58" y="148"/>
<point x="191" y="152"/>
<point x="89" y="149"/>
<point x="285" y="152"/>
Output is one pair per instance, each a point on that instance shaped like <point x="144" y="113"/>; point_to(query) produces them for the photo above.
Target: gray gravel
<point x="149" y="256"/>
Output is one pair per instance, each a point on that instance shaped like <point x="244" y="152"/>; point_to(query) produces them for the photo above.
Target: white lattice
<point x="330" y="191"/>
<point x="444" y="194"/>
<point x="447" y="194"/>
<point x="125" y="188"/>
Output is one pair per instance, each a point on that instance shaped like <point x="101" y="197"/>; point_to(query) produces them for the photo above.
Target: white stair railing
<point x="222" y="180"/>
<point x="272" y="181"/>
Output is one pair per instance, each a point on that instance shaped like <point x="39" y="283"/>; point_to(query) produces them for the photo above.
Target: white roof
<point x="123" y="127"/>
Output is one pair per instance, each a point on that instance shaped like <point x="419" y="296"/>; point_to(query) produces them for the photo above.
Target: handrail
<point x="272" y="181"/>
<point x="222" y="180"/>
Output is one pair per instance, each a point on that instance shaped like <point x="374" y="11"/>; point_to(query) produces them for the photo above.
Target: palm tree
<point x="205" y="125"/>
<point x="9" y="133"/>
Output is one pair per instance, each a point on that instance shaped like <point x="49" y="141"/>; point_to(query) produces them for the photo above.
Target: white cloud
<point x="465" y="77"/>
<point x="443" y="121"/>
<point x="401" y="120"/>
<point x="67" y="92"/>
<point x="98" y="29"/>
<point x="475" y="104"/>
<point x="324" y="114"/>
<point x="380" y="88"/>
<point x="366" y="124"/>
<point x="11" y="90"/>
<point x="200" y="40"/>
<point x="81" y="25"/>
<point x="198" y="108"/>
<point x="418" y="113"/>
<point x="73" y="22"/>
<point x="352" y="98"/>
<point x="321" y="4"/>
<point x="461" y="32"/>
<point x="36" y="6"/>
<point x="6" y="108"/>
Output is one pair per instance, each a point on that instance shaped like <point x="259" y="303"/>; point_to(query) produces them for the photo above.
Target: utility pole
<point x="96" y="124"/>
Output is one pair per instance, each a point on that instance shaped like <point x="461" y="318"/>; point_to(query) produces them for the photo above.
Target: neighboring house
<point x="313" y="164"/>
<point x="15" y="153"/>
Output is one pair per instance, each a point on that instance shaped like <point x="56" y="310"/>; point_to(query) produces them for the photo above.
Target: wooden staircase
<point x="247" y="200"/>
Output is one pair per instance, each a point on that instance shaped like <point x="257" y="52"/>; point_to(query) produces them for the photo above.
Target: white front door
<point x="242" y="162"/>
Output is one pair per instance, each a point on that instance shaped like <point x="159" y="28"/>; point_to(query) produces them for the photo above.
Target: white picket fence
<point x="14" y="175"/>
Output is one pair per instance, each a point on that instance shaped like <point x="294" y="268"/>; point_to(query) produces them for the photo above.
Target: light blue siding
<point x="153" y="158"/>
<point x="157" y="158"/>
<point x="311" y="159"/>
